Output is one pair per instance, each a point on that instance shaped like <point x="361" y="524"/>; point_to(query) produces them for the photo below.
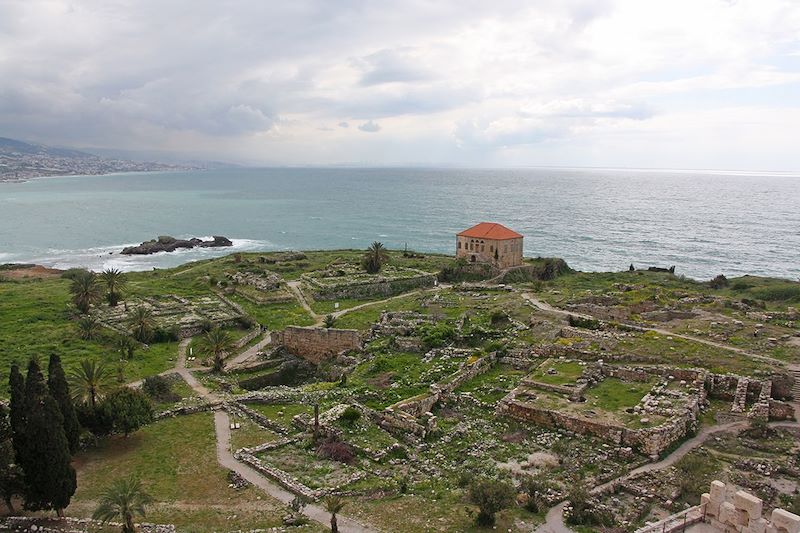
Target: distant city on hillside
<point x="21" y="161"/>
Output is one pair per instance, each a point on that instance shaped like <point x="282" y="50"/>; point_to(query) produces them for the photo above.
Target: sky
<point x="711" y="84"/>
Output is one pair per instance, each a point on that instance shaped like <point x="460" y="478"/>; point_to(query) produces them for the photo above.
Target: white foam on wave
<point x="102" y="257"/>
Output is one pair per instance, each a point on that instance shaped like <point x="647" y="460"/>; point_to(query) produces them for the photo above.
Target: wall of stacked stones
<point x="779" y="410"/>
<point x="388" y="287"/>
<point x="317" y="344"/>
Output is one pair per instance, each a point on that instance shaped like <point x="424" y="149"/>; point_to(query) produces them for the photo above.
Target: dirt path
<point x="226" y="459"/>
<point x="294" y="286"/>
<point x="249" y="353"/>
<point x="544" y="306"/>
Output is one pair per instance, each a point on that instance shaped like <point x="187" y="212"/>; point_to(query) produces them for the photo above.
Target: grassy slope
<point x="176" y="460"/>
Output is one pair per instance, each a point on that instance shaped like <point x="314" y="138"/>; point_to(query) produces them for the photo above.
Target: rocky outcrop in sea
<point x="165" y="243"/>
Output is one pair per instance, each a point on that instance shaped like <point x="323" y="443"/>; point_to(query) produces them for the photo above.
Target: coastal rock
<point x="165" y="243"/>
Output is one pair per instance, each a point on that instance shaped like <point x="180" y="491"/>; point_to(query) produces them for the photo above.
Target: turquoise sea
<point x="703" y="222"/>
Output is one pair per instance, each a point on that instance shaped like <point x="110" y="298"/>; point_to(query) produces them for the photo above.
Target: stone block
<point x="756" y="526"/>
<point x="711" y="507"/>
<point x="749" y="504"/>
<point x="717" y="491"/>
<point x="785" y="522"/>
<point x="727" y="513"/>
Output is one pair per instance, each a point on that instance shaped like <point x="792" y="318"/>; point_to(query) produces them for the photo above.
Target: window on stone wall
<point x="482" y="247"/>
<point x="459" y="245"/>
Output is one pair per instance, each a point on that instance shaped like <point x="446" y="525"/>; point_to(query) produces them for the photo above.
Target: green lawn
<point x="566" y="372"/>
<point x="614" y="395"/>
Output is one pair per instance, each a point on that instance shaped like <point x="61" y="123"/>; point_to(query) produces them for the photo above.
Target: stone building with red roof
<point x="489" y="242"/>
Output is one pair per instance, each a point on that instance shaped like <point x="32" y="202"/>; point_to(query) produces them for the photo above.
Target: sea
<point x="702" y="222"/>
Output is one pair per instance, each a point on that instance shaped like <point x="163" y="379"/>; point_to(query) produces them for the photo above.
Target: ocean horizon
<point x="702" y="222"/>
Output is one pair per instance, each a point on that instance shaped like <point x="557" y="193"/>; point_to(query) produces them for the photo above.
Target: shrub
<point x="170" y="334"/>
<point x="537" y="490"/>
<point x="246" y="322"/>
<point x="718" y="282"/>
<point x="72" y="273"/>
<point x="787" y="292"/>
<point x="586" y="511"/>
<point x="127" y="409"/>
<point x="350" y="415"/>
<point x="336" y="450"/>
<point x="491" y="496"/>
<point x="582" y="322"/>
<point x="206" y="325"/>
<point x="159" y="389"/>
<point x="437" y="335"/>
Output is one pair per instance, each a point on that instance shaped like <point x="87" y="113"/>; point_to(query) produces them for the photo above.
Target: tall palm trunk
<point x="334" y="525"/>
<point x="10" y="506"/>
<point x="129" y="527"/>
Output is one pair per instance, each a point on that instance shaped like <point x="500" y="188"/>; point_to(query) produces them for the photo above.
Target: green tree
<point x="490" y="496"/>
<point x="50" y="480"/>
<point x="124" y="500"/>
<point x="217" y="343"/>
<point x="16" y="384"/>
<point x="88" y="327"/>
<point x="126" y="345"/>
<point x="85" y="290"/>
<point x="128" y="409"/>
<point x="115" y="283"/>
<point x="334" y="504"/>
<point x="142" y="324"/>
<point x="59" y="390"/>
<point x="11" y="476"/>
<point x="375" y="258"/>
<point x="329" y="321"/>
<point x="89" y="381"/>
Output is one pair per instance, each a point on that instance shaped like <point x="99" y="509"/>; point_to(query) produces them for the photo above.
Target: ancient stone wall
<point x="368" y="289"/>
<point x="779" y="410"/>
<point x="317" y="344"/>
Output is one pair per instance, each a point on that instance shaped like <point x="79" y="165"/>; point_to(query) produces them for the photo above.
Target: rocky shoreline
<point x="165" y="243"/>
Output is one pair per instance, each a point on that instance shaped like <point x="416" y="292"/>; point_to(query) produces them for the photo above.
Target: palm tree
<point x="375" y="258"/>
<point x="217" y="343"/>
<point x="115" y="283"/>
<point x="329" y="321"/>
<point x="88" y="327"/>
<point x="141" y="323"/>
<point x="85" y="290"/>
<point x="89" y="381"/>
<point x="123" y="500"/>
<point x="126" y="345"/>
<point x="333" y="504"/>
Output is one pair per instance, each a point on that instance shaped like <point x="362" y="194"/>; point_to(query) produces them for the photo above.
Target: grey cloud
<point x="370" y="127"/>
<point x="344" y="125"/>
<point x="387" y="66"/>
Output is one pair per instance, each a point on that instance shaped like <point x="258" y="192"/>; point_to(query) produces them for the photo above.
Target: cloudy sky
<point x="632" y="83"/>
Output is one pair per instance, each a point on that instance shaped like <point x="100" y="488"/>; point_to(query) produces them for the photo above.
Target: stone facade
<point x="490" y="243"/>
<point x="317" y="344"/>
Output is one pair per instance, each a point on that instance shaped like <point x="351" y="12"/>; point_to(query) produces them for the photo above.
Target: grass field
<point x="176" y="461"/>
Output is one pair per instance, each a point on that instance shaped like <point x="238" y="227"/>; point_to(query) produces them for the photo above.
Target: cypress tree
<point x="50" y="478"/>
<point x="59" y="390"/>
<point x="17" y="418"/>
<point x="11" y="480"/>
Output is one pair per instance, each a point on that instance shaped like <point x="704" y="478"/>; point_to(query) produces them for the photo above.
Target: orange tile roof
<point x="490" y="230"/>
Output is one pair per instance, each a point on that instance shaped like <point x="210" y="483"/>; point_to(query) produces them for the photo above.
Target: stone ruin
<point x="187" y="314"/>
<point x="401" y="326"/>
<point x="743" y="513"/>
<point x="679" y="408"/>
<point x="316" y="345"/>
